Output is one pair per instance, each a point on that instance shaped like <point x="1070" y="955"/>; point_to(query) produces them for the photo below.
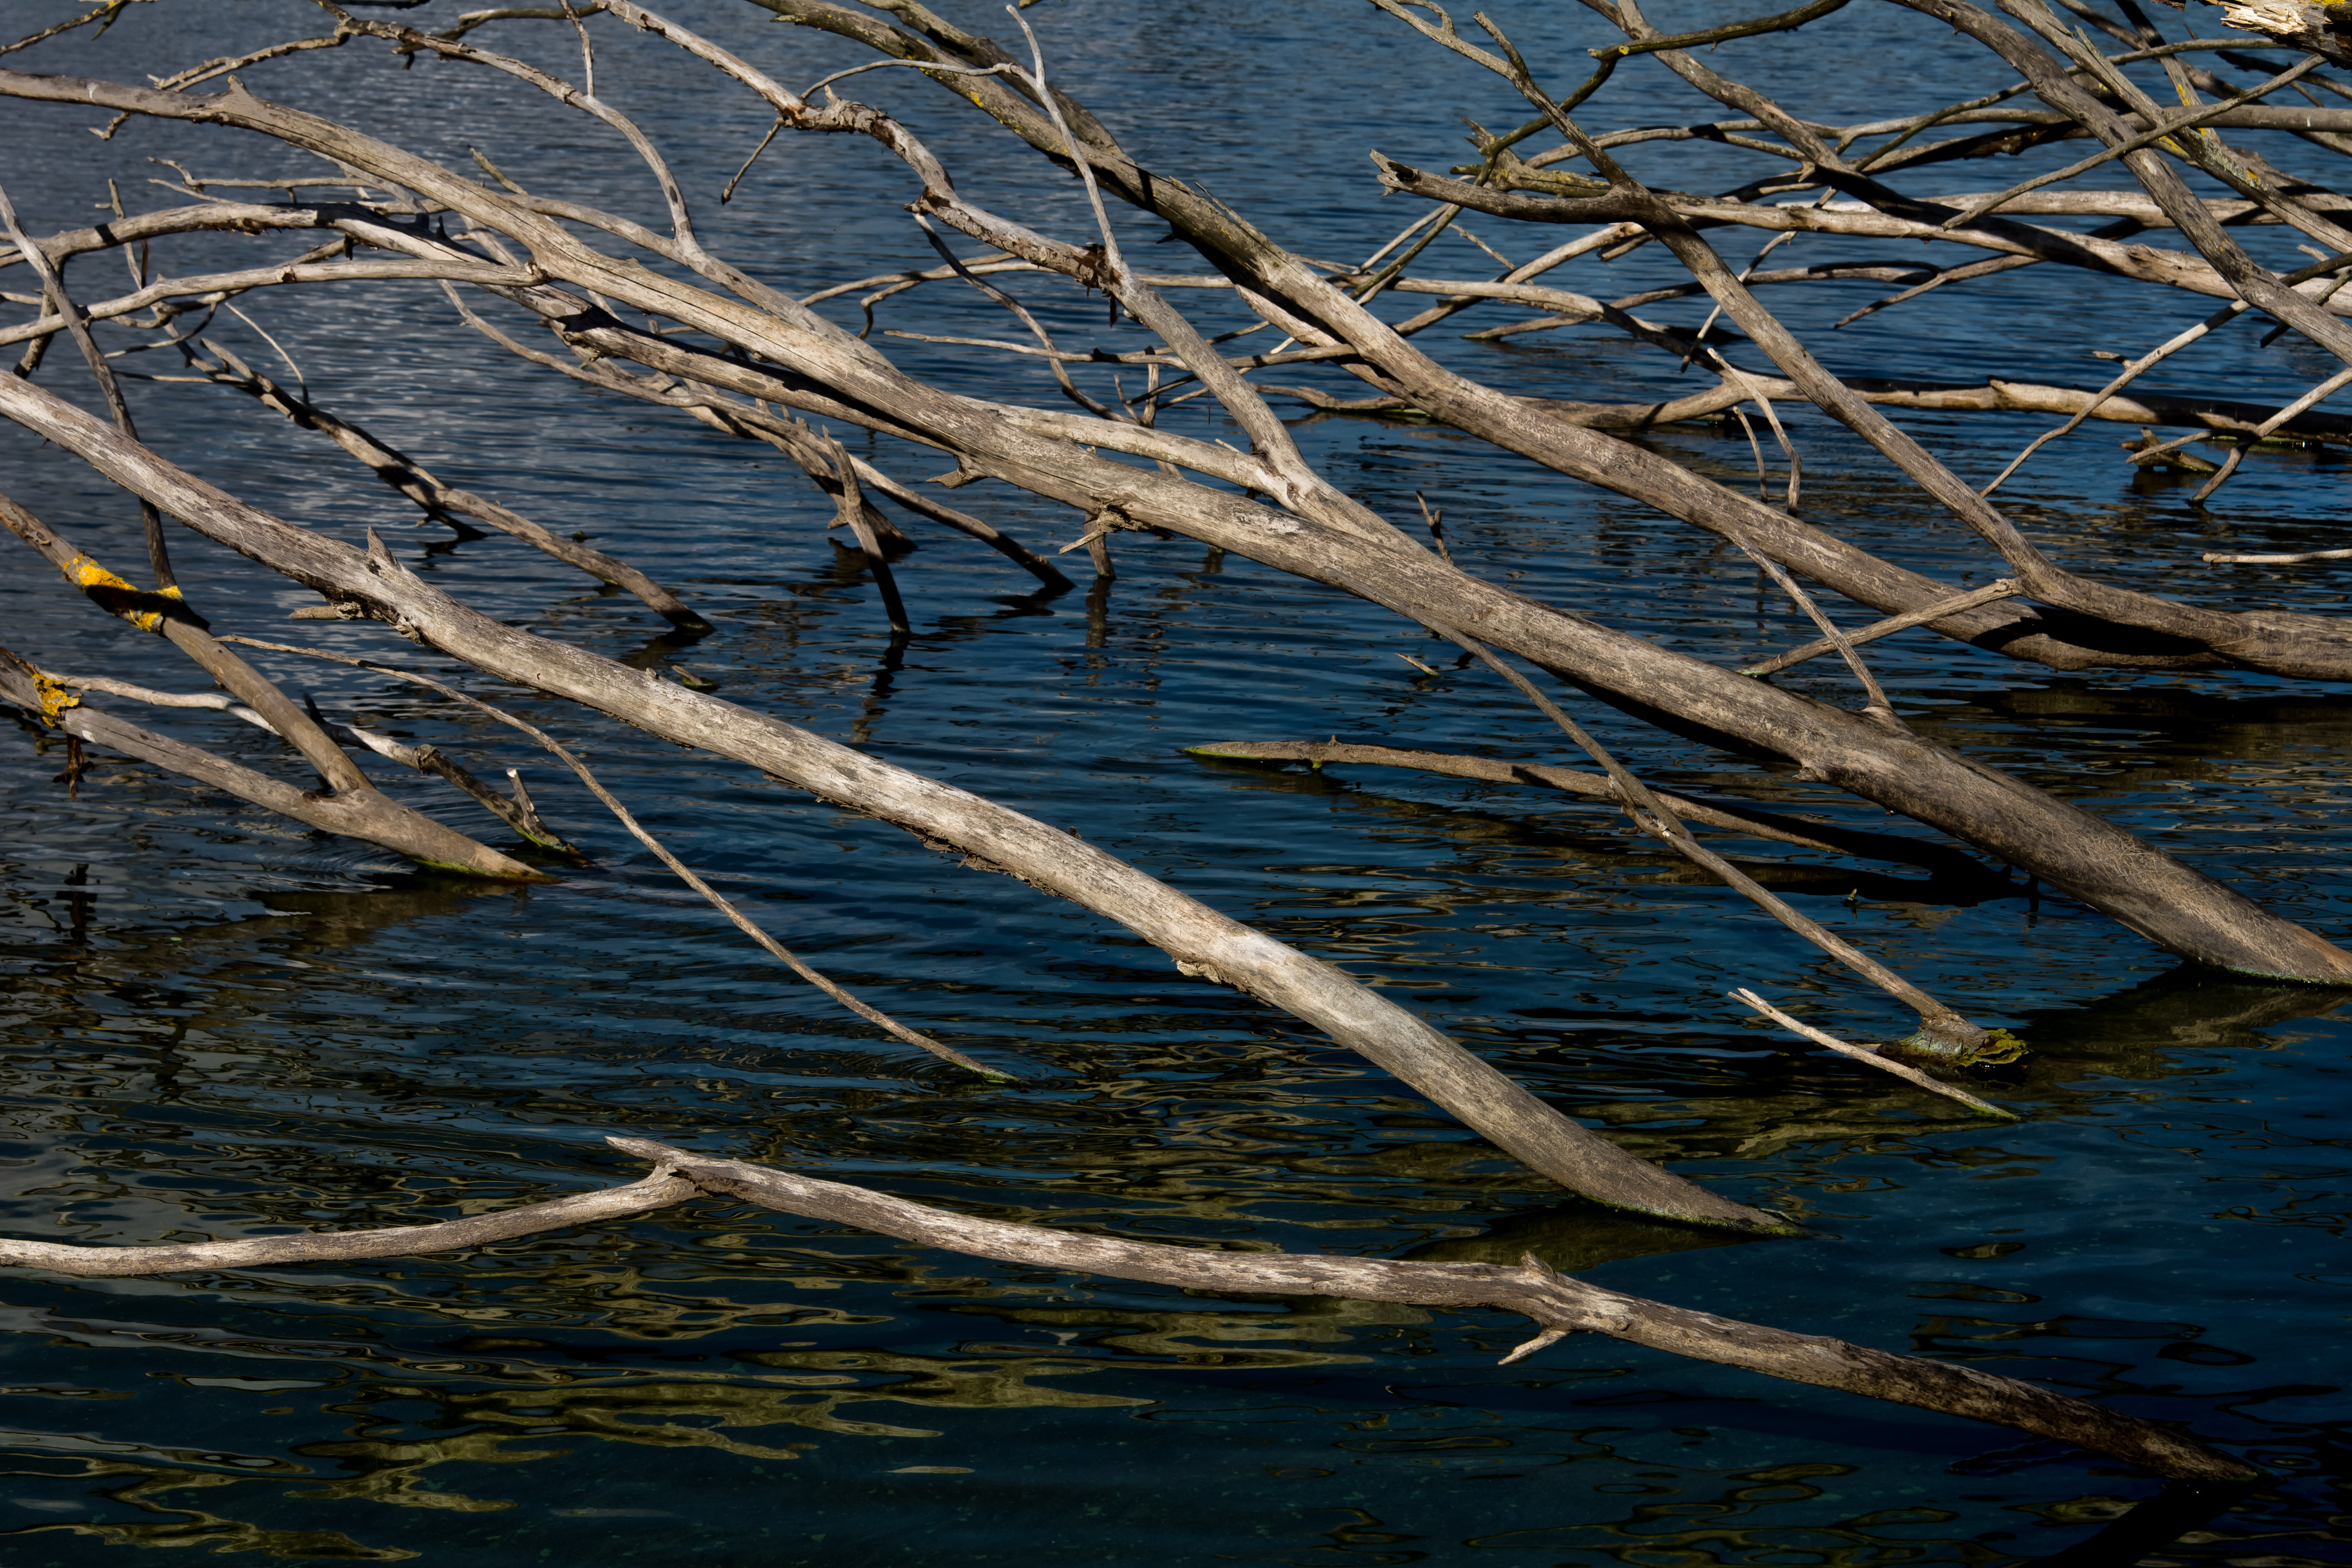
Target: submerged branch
<point x="685" y="874"/>
<point x="1731" y="816"/>
<point x="1556" y="1303"/>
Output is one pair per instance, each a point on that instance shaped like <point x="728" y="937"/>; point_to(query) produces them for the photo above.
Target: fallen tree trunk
<point x="835" y="376"/>
<point x="1556" y="1303"/>
<point x="988" y="836"/>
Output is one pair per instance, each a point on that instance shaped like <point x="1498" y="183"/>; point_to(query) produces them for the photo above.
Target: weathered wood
<point x="1560" y="1304"/>
<point x="1552" y="1299"/>
<point x="1732" y="816"/>
<point x="1306" y="304"/>
<point x="364" y="811"/>
<point x="1202" y="941"/>
<point x="658" y="1191"/>
<point x="2002" y="588"/>
<point x="344" y="814"/>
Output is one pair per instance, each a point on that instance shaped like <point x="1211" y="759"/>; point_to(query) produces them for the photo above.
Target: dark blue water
<point x="219" y="1023"/>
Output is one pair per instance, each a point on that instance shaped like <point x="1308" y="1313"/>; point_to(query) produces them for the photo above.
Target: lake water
<point x="218" y="1022"/>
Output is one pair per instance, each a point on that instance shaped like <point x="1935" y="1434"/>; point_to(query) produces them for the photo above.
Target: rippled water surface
<point x="218" y="1024"/>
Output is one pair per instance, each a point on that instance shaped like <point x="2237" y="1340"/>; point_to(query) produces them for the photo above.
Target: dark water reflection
<point x="217" y="1024"/>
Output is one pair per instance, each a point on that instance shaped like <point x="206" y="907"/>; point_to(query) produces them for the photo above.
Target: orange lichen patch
<point x="54" y="699"/>
<point x="115" y="596"/>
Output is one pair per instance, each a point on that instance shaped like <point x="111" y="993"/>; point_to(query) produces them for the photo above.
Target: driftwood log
<point x="706" y="339"/>
<point x="1323" y="536"/>
<point x="1558" y="1304"/>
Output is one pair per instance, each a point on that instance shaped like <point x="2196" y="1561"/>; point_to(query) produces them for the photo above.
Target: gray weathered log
<point x="1336" y="541"/>
<point x="1202" y="941"/>
<point x="1558" y="1303"/>
<point x="1552" y="1299"/>
<point x="658" y="1191"/>
<point x="365" y="812"/>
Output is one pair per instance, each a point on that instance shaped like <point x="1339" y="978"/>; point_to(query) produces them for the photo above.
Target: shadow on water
<point x="1589" y="840"/>
<point x="2188" y="1007"/>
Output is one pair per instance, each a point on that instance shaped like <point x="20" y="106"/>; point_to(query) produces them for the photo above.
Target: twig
<point x="2281" y="560"/>
<point x="2163" y="129"/>
<point x="2317" y="395"/>
<point x="158" y="556"/>
<point x="1870" y="1054"/>
<point x="849" y="506"/>
<point x="1729" y="817"/>
<point x="637" y="830"/>
<point x="1054" y="354"/>
<point x="728" y="194"/>
<point x="438" y="500"/>
<point x="105" y="14"/>
<point x="2214" y="322"/>
<point x="1999" y="589"/>
<point x="1942" y="1028"/>
<point x="1877" y="705"/>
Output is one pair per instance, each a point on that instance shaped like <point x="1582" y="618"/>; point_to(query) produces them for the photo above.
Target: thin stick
<point x="2317" y="395"/>
<point x="2214" y="322"/>
<point x="742" y="922"/>
<point x="1085" y="168"/>
<point x="158" y="558"/>
<point x="587" y="50"/>
<point x="1870" y="1054"/>
<point x="1877" y="705"/>
<point x="1054" y="354"/>
<point x="2281" y="560"/>
<point x="728" y="194"/>
<point x="1653" y="815"/>
<point x="302" y="382"/>
<point x="1730" y="817"/>
<point x="2190" y="120"/>
<point x="2003" y="588"/>
<point x="516" y="813"/>
<point x="1764" y="405"/>
<point x="1747" y="429"/>
<point x="850" y="507"/>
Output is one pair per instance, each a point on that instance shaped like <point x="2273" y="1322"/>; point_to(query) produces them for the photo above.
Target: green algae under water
<point x="217" y="1023"/>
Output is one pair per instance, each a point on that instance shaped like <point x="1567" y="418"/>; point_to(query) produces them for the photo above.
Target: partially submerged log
<point x="986" y="835"/>
<point x="1325" y="536"/>
<point x="1558" y="1304"/>
<point x="345" y="796"/>
<point x="1732" y="816"/>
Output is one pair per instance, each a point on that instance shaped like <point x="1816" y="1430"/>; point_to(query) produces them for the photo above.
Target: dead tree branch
<point x="1556" y="1303"/>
